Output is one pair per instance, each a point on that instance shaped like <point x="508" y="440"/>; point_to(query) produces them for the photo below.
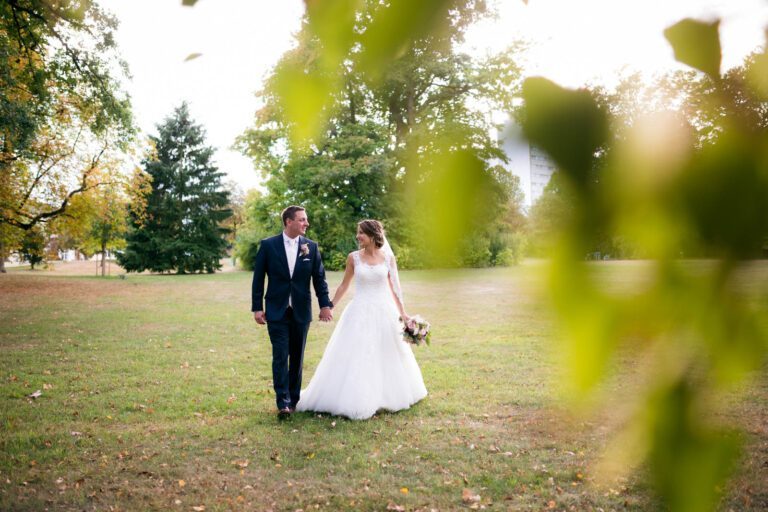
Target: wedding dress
<point x="366" y="365"/>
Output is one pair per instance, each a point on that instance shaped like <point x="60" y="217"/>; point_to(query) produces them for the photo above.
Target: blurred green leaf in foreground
<point x="697" y="332"/>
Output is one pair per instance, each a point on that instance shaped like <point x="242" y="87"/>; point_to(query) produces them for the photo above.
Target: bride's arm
<point x="349" y="271"/>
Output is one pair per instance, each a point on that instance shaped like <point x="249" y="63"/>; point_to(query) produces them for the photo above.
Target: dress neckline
<point x="360" y="257"/>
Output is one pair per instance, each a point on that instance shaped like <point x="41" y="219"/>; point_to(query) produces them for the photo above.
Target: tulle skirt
<point x="366" y="366"/>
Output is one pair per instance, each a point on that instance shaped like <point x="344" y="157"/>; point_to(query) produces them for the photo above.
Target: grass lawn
<point x="156" y="394"/>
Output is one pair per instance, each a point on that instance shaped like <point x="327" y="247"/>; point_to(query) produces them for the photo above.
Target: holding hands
<point x="326" y="314"/>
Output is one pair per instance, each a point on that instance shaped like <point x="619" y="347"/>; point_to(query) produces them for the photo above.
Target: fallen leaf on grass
<point x="182" y="483"/>
<point x="231" y="399"/>
<point x="47" y="387"/>
<point x="392" y="506"/>
<point x="201" y="508"/>
<point x="240" y="463"/>
<point x="467" y="496"/>
<point x="76" y="434"/>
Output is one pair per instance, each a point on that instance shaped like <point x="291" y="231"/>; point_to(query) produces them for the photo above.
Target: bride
<point x="367" y="366"/>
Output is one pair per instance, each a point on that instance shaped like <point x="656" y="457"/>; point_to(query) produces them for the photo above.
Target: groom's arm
<point x="318" y="281"/>
<point x="259" y="271"/>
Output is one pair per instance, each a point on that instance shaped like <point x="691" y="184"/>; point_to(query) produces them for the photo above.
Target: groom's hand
<point x="326" y="315"/>
<point x="259" y="317"/>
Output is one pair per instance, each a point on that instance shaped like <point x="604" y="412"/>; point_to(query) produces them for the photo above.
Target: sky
<point x="571" y="42"/>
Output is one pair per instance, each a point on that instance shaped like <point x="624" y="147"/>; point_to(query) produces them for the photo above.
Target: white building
<point x="529" y="163"/>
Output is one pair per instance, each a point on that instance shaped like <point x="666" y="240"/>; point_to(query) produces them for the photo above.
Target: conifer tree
<point x="181" y="227"/>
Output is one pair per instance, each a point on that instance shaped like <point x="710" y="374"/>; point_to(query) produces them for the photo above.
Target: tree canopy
<point x="383" y="135"/>
<point x="62" y="109"/>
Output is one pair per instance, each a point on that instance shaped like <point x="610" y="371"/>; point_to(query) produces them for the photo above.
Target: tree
<point x="104" y="220"/>
<point x="62" y="107"/>
<point x="180" y="228"/>
<point x="381" y="136"/>
<point x="56" y="54"/>
<point x="237" y="207"/>
<point x="33" y="246"/>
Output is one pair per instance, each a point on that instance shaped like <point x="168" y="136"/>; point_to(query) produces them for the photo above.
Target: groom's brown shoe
<point x="284" y="413"/>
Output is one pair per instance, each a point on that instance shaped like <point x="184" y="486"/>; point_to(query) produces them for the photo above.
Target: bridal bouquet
<point x="416" y="331"/>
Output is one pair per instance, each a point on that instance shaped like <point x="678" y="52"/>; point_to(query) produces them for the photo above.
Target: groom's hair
<point x="373" y="229"/>
<point x="290" y="213"/>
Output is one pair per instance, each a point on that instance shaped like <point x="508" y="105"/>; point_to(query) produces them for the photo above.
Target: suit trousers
<point x="288" y="339"/>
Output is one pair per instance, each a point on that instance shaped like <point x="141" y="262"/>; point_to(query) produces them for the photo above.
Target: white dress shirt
<point x="291" y="252"/>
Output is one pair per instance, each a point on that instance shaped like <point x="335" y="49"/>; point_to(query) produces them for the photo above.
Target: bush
<point x="335" y="260"/>
<point x="246" y="247"/>
<point x="475" y="252"/>
<point x="512" y="252"/>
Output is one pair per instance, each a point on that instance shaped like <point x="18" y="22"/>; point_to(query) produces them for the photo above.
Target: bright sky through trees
<point x="572" y="42"/>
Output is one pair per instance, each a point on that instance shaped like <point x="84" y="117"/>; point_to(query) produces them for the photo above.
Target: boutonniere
<point x="304" y="249"/>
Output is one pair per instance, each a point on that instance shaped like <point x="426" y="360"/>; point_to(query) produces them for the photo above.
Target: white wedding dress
<point x="366" y="366"/>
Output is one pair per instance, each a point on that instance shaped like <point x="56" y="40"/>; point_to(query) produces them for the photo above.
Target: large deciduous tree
<point x="61" y="104"/>
<point x="387" y="137"/>
<point x="180" y="228"/>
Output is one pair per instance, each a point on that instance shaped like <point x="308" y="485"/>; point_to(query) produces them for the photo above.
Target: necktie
<point x="290" y="251"/>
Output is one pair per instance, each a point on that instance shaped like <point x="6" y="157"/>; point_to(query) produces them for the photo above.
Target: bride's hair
<point x="373" y="229"/>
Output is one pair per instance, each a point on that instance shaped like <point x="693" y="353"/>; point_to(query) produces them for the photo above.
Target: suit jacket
<point x="272" y="262"/>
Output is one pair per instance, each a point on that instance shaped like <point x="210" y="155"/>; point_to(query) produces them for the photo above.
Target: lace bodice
<point x="371" y="281"/>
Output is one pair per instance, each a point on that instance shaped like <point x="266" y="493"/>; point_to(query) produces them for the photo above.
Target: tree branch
<point x="42" y="217"/>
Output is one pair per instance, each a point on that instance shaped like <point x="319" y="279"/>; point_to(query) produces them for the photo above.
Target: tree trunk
<point x="103" y="259"/>
<point x="3" y="255"/>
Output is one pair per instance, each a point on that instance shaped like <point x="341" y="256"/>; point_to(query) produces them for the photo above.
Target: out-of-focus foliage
<point x="178" y="226"/>
<point x="349" y="139"/>
<point x="693" y="107"/>
<point x="664" y="185"/>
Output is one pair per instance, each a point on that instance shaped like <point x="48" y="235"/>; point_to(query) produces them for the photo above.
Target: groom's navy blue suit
<point x="288" y="326"/>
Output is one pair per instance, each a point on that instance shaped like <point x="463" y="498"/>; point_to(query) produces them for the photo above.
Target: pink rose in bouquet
<point x="416" y="331"/>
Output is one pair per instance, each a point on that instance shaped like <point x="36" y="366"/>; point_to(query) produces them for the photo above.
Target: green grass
<point x="153" y="380"/>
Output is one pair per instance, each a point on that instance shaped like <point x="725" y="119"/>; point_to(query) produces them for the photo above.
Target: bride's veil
<point x="394" y="277"/>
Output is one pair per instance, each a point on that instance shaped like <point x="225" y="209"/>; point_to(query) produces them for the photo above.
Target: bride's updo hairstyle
<point x="373" y="229"/>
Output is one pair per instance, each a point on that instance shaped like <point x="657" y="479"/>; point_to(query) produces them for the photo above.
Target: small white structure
<point x="529" y="163"/>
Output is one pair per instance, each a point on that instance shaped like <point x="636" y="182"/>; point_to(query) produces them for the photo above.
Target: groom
<point x="289" y="260"/>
